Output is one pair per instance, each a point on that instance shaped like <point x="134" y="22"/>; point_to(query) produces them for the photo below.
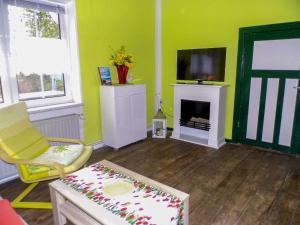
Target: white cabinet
<point x="123" y="114"/>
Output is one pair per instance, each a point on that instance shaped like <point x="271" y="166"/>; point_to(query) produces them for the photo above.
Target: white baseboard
<point x="100" y="144"/>
<point x="97" y="144"/>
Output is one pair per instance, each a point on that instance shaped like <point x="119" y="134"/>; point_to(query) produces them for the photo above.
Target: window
<point x="37" y="46"/>
<point x="1" y="92"/>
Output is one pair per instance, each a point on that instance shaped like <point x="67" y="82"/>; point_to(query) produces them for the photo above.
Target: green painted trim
<point x="262" y="105"/>
<point x="279" y="111"/>
<point x="242" y="82"/>
<point x="247" y="36"/>
<point x="276" y="73"/>
<point x="245" y="86"/>
<point x="296" y="130"/>
<point x="244" y="36"/>
<point x="275" y="145"/>
<point x="239" y="78"/>
<point x="271" y="27"/>
<point x="267" y="145"/>
<point x="229" y="141"/>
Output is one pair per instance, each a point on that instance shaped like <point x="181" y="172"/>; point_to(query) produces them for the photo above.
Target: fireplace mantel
<point x="216" y="96"/>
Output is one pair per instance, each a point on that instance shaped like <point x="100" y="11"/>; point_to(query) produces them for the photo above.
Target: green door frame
<point x="243" y="49"/>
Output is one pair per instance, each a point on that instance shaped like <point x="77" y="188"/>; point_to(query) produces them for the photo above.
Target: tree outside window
<point x="42" y="24"/>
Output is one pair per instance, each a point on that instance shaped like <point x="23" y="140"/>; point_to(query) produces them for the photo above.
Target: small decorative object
<point x="116" y="188"/>
<point x="123" y="62"/>
<point x="129" y="78"/>
<point x="104" y="74"/>
<point x="159" y="125"/>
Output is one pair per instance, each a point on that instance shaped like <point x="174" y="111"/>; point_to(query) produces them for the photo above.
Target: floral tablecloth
<point x="135" y="202"/>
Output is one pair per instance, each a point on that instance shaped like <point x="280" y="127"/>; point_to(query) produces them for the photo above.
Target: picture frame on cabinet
<point x="104" y="73"/>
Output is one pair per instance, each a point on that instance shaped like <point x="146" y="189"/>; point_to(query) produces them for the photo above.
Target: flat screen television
<point x="201" y="64"/>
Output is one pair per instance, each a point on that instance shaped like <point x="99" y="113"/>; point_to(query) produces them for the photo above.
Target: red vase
<point x="122" y="74"/>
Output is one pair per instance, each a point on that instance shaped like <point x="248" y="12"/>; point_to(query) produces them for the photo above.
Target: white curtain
<point x="39" y="55"/>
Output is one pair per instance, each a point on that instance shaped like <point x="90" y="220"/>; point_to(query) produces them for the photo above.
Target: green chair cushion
<point x="32" y="169"/>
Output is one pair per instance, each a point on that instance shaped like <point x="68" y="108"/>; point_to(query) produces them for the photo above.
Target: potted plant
<point x="123" y="62"/>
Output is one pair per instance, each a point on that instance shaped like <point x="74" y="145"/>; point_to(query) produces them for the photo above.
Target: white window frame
<point x="1" y="92"/>
<point x="72" y="78"/>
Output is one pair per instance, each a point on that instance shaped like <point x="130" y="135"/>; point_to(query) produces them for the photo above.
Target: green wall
<point x="186" y="24"/>
<point x="202" y="24"/>
<point x="105" y="23"/>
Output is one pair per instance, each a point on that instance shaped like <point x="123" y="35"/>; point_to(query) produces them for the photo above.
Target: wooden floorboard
<point x="236" y="185"/>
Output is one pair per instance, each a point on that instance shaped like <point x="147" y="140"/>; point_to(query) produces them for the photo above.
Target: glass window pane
<point x="38" y="52"/>
<point x="54" y="85"/>
<point x="1" y="93"/>
<point x="48" y="24"/>
<point x="283" y="54"/>
<point x="33" y="23"/>
<point x="28" y="20"/>
<point x="29" y="86"/>
<point x="32" y="87"/>
<point x="21" y="21"/>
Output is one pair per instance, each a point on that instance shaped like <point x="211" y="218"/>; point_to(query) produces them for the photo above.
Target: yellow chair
<point x="21" y="143"/>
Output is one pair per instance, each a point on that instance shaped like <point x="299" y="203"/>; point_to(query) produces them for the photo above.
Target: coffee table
<point x="107" y="194"/>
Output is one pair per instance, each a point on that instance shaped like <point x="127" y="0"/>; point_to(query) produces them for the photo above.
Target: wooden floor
<point x="235" y="185"/>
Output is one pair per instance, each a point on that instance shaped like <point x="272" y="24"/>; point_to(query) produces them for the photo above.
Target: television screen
<point x="201" y="64"/>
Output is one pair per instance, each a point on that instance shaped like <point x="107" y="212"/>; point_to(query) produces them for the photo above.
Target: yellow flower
<point x="129" y="65"/>
<point x="120" y="57"/>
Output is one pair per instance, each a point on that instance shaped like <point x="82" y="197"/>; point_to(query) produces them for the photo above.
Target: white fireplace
<point x="199" y="114"/>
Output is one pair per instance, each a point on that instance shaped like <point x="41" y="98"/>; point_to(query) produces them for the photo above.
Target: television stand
<point x="199" y="82"/>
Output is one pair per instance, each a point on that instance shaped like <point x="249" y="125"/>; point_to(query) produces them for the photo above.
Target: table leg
<point x="57" y="200"/>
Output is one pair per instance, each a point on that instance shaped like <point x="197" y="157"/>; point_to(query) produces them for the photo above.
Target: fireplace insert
<point x="195" y="114"/>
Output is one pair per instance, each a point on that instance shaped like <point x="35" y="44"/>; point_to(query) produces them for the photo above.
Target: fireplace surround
<point x="199" y="114"/>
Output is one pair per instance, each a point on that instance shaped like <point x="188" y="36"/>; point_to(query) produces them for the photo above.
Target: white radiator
<point x="69" y="126"/>
<point x="7" y="172"/>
